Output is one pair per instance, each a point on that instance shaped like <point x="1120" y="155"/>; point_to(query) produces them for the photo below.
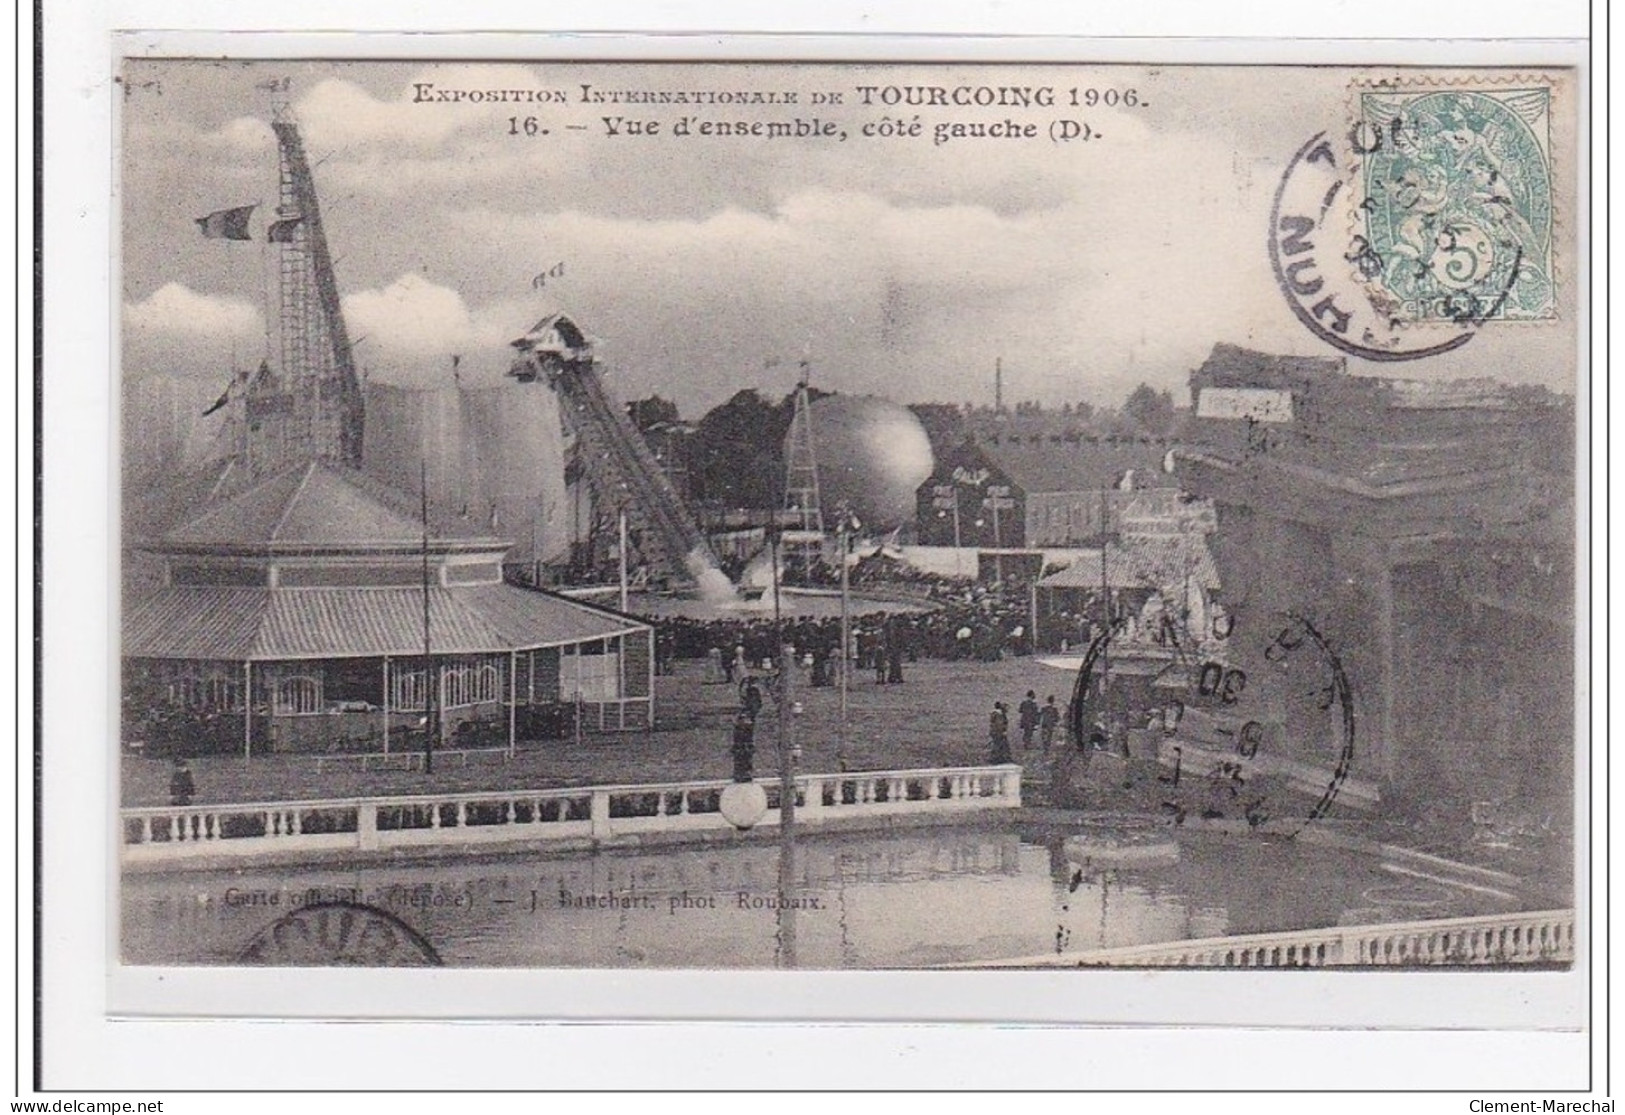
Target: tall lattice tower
<point x="308" y="404"/>
<point x="803" y="536"/>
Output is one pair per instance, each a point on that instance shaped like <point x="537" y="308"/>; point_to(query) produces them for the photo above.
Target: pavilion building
<point x="313" y="612"/>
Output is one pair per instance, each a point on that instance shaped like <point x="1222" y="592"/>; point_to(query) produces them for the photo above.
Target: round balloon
<point x="872" y="454"/>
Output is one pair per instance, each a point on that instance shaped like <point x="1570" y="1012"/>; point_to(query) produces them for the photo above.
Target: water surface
<point x="922" y="898"/>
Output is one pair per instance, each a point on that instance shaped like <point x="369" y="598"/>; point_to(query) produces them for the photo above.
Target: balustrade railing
<point x="1542" y="937"/>
<point x="596" y="812"/>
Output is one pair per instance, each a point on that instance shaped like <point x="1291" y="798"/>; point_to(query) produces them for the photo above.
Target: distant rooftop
<point x="1235" y="366"/>
<point x="310" y="508"/>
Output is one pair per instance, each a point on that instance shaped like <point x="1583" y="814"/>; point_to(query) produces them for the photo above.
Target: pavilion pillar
<point x="603" y="712"/>
<point x="513" y="700"/>
<point x="620" y="681"/>
<point x="248" y="710"/>
<point x="385" y="704"/>
<point x="649" y="698"/>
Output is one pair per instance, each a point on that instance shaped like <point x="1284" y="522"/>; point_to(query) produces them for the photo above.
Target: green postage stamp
<point x="1455" y="199"/>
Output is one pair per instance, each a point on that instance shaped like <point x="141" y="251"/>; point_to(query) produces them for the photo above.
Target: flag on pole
<point x="225" y="397"/>
<point x="282" y="231"/>
<point x="227" y="224"/>
<point x="238" y="379"/>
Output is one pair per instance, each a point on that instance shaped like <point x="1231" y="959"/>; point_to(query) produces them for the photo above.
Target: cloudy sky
<point x="703" y="265"/>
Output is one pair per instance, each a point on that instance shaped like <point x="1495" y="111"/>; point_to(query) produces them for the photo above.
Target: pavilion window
<point x="299" y="695"/>
<point x="591" y="673"/>
<point x="454" y="686"/>
<point x="214" y="692"/>
<point x="407" y="689"/>
<point x="473" y="684"/>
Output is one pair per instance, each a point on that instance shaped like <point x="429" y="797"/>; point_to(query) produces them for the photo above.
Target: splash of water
<point x="713" y="583"/>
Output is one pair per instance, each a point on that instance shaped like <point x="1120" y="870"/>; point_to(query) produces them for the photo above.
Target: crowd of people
<point x="983" y="627"/>
<point x="963" y="623"/>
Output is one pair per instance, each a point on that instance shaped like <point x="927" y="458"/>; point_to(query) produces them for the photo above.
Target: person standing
<point x="751" y="699"/>
<point x="1027" y="718"/>
<point x="182" y="787"/>
<point x="744" y="747"/>
<point x="1049" y="718"/>
<point x="894" y="652"/>
<point x="998" y="732"/>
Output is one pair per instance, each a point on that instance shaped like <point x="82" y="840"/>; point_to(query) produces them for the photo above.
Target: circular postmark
<point x="1260" y="729"/>
<point x="1365" y="280"/>
<point x="339" y="934"/>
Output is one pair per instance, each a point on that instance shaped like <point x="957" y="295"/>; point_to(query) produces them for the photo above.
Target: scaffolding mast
<point x="802" y="542"/>
<point x="309" y="405"/>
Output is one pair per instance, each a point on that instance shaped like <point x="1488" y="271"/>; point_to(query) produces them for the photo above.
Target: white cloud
<point x="339" y="113"/>
<point x="177" y="309"/>
<point x="413" y="327"/>
<point x="410" y="316"/>
<point x="245" y="134"/>
<point x="179" y="332"/>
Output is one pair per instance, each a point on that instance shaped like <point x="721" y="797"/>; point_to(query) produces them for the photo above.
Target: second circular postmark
<point x="1256" y="726"/>
<point x="342" y="934"/>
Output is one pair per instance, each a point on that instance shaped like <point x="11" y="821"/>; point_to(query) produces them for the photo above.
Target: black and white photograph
<point x="830" y="515"/>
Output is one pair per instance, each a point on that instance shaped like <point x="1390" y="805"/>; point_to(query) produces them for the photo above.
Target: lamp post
<point x="998" y="499"/>
<point x="431" y="713"/>
<point x="621" y="555"/>
<point x="787" y="809"/>
<point x="787" y="778"/>
<point x="744" y="803"/>
<point x="848" y="525"/>
<point x="945" y="497"/>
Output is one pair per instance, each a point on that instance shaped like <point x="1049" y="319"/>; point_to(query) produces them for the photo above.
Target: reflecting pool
<point x="924" y="897"/>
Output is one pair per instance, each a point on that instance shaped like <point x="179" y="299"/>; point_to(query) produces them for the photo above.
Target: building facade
<point x="969" y="501"/>
<point x="1428" y="531"/>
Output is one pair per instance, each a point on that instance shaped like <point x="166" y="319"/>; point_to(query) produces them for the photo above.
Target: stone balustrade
<point x="591" y="812"/>
<point x="1543" y="937"/>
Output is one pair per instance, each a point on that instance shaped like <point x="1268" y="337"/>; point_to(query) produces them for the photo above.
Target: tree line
<point x="734" y="455"/>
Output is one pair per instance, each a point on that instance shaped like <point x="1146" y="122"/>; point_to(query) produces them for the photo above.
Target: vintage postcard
<point x="662" y="515"/>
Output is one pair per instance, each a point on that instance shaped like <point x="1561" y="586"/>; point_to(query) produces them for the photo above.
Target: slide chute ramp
<point x="620" y="469"/>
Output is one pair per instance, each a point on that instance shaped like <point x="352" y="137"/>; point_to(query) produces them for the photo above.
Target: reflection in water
<point x="786" y="913"/>
<point x="943" y="896"/>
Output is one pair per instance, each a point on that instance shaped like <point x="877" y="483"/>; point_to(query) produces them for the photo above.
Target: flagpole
<point x="431" y="713"/>
<point x="1106" y="645"/>
<point x="841" y="757"/>
<point x="623" y="560"/>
